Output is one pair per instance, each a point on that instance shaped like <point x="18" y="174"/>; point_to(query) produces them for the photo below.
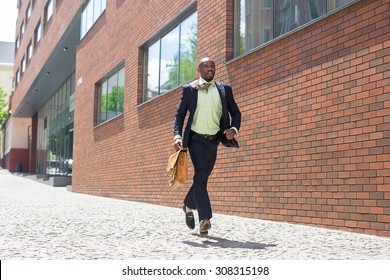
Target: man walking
<point x="210" y="105"/>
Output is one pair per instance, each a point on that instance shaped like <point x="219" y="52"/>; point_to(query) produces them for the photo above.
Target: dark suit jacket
<point x="188" y="102"/>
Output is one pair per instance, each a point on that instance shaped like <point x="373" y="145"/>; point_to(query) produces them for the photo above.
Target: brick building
<point x="6" y="76"/>
<point x="100" y="80"/>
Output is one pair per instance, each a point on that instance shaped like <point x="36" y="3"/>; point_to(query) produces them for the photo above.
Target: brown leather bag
<point x="177" y="168"/>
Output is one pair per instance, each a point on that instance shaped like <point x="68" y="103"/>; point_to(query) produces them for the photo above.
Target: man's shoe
<point x="190" y="221"/>
<point x="204" y="226"/>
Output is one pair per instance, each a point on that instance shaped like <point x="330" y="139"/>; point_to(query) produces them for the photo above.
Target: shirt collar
<point x="203" y="81"/>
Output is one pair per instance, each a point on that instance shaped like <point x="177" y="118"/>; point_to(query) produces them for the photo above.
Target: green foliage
<point x="3" y="106"/>
<point x="187" y="70"/>
<point x="113" y="101"/>
<point x="242" y="44"/>
<point x="187" y="67"/>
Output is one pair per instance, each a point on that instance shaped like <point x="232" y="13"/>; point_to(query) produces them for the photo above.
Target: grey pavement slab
<point x="43" y="222"/>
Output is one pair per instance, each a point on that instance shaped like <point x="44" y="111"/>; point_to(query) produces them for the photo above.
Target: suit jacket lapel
<point x="222" y="94"/>
<point x="194" y="95"/>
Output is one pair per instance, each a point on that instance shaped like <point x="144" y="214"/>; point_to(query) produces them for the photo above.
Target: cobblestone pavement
<point x="43" y="222"/>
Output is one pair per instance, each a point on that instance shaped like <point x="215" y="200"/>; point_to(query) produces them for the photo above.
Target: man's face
<point x="207" y="70"/>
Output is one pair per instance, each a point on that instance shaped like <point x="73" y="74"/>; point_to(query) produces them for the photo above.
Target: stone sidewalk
<point x="43" y="222"/>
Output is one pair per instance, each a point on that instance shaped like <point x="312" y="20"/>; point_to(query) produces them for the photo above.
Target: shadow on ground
<point x="207" y="241"/>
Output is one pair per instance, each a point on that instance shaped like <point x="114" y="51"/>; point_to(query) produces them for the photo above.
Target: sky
<point x="8" y="15"/>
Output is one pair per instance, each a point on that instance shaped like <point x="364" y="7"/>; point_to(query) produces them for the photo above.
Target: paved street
<point x="43" y="222"/>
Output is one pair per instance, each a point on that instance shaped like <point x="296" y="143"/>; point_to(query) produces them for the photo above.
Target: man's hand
<point x="178" y="144"/>
<point x="229" y="133"/>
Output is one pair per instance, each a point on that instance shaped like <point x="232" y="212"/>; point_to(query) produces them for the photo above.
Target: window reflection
<point x="291" y="14"/>
<point x="29" y="51"/>
<point x="153" y="70"/>
<point x="259" y="21"/>
<point x="334" y="4"/>
<point x="111" y="96"/>
<point x="90" y="14"/>
<point x="171" y="60"/>
<point x="55" y="132"/>
<point x="49" y="10"/>
<point x="188" y="45"/>
<point x="169" y="65"/>
<point x="38" y="32"/>
<point x="103" y="102"/>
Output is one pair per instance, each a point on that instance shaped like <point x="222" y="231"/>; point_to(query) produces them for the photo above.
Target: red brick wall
<point x="315" y="134"/>
<point x="16" y="156"/>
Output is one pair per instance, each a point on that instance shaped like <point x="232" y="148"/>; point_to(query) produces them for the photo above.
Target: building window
<point x="171" y="60"/>
<point x="23" y="65"/>
<point x="54" y="137"/>
<point x="291" y="14"/>
<point x="48" y="10"/>
<point x="110" y="95"/>
<point x="21" y="29"/>
<point x="17" y="43"/>
<point x="17" y="74"/>
<point x="260" y="21"/>
<point x="334" y="4"/>
<point x="91" y="12"/>
<point x="29" y="51"/>
<point x="28" y="12"/>
<point x="37" y="33"/>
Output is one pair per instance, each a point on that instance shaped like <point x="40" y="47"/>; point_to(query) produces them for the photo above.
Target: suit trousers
<point x="203" y="154"/>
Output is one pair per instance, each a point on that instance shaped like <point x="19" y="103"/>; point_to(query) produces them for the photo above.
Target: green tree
<point x="187" y="60"/>
<point x="188" y="56"/>
<point x="113" y="100"/>
<point x="3" y="106"/>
